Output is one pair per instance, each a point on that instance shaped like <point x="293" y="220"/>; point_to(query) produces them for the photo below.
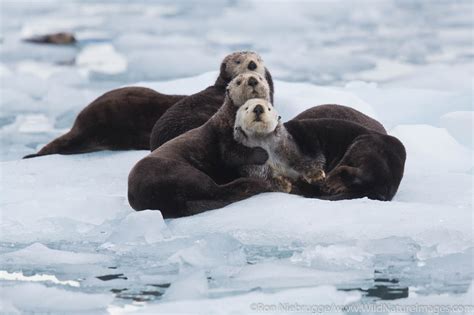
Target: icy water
<point x="68" y="233"/>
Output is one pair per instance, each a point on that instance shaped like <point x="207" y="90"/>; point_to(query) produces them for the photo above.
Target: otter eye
<point x="237" y="62"/>
<point x="246" y="108"/>
<point x="239" y="82"/>
<point x="269" y="109"/>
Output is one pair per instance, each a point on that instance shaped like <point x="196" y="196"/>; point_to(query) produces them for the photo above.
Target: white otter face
<point x="241" y="62"/>
<point x="257" y="117"/>
<point x="246" y="86"/>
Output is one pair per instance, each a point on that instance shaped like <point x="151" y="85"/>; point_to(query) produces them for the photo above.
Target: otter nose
<point x="252" y="66"/>
<point x="252" y="81"/>
<point x="258" y="110"/>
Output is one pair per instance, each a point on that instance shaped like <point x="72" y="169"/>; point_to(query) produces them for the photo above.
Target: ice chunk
<point x="334" y="257"/>
<point x="432" y="149"/>
<point x="35" y="297"/>
<point x="189" y="85"/>
<point x="266" y="219"/>
<point x="18" y="276"/>
<point x="33" y="123"/>
<point x="285" y="275"/>
<point x="102" y="58"/>
<point x="211" y="250"/>
<point x="145" y="226"/>
<point x="304" y="300"/>
<point x="460" y="126"/>
<point x="188" y="286"/>
<point x="39" y="254"/>
<point x="143" y="64"/>
<point x="4" y="71"/>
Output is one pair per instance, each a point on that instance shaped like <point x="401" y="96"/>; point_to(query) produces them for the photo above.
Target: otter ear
<point x="223" y="66"/>
<point x="223" y="73"/>
<point x="268" y="76"/>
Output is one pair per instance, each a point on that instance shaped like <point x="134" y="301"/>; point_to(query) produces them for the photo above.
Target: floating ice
<point x="35" y="297"/>
<point x="433" y="149"/>
<point x="102" y="58"/>
<point x="66" y="218"/>
<point x="18" y="276"/>
<point x="144" y="226"/>
<point x="460" y="125"/>
<point x="38" y="254"/>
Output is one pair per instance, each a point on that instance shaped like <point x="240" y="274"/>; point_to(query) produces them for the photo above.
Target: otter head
<point x="241" y="62"/>
<point x="256" y="117"/>
<point x="246" y="86"/>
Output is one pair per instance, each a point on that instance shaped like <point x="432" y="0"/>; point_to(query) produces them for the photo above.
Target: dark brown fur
<point x="123" y="119"/>
<point x="182" y="177"/>
<point x="343" y="113"/>
<point x="193" y="111"/>
<point x="118" y="120"/>
<point x="359" y="162"/>
<point x="178" y="177"/>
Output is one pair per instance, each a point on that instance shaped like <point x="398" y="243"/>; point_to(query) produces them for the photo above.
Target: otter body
<point x="343" y="113"/>
<point x="257" y="124"/>
<point x="123" y="119"/>
<point x="118" y="120"/>
<point x="180" y="177"/>
<point x="359" y="162"/>
<point x="195" y="110"/>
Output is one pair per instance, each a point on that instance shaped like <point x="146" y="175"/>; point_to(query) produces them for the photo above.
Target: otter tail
<point x="69" y="143"/>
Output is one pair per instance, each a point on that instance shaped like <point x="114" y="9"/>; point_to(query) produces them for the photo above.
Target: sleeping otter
<point x="342" y="112"/>
<point x="359" y="162"/>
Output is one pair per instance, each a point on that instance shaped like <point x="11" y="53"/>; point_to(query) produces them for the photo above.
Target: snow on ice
<point x="69" y="240"/>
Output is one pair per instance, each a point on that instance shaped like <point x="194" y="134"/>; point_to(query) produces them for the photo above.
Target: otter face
<point x="241" y="62"/>
<point x="246" y="86"/>
<point x="257" y="117"/>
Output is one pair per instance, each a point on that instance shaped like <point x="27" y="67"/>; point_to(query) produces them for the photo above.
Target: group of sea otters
<point x="227" y="143"/>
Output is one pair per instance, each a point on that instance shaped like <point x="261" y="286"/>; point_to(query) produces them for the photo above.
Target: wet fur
<point x="359" y="162"/>
<point x="118" y="120"/>
<point x="286" y="162"/>
<point x="190" y="174"/>
<point x="343" y="113"/>
<point x="193" y="111"/>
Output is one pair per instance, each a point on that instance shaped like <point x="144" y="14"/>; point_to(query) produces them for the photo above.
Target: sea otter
<point x="190" y="174"/>
<point x="359" y="162"/>
<point x="341" y="112"/>
<point x="122" y="119"/>
<point x="195" y="110"/>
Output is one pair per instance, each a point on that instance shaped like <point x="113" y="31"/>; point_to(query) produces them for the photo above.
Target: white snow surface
<point x="65" y="220"/>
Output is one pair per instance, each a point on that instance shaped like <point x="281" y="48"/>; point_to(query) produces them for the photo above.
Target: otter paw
<point x="282" y="184"/>
<point x="314" y="177"/>
<point x="335" y="188"/>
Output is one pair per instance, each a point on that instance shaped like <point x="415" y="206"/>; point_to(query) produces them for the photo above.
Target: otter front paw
<point x="314" y="176"/>
<point x="282" y="184"/>
<point x="334" y="186"/>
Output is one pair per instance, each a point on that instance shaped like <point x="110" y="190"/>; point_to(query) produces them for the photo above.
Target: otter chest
<point x="279" y="163"/>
